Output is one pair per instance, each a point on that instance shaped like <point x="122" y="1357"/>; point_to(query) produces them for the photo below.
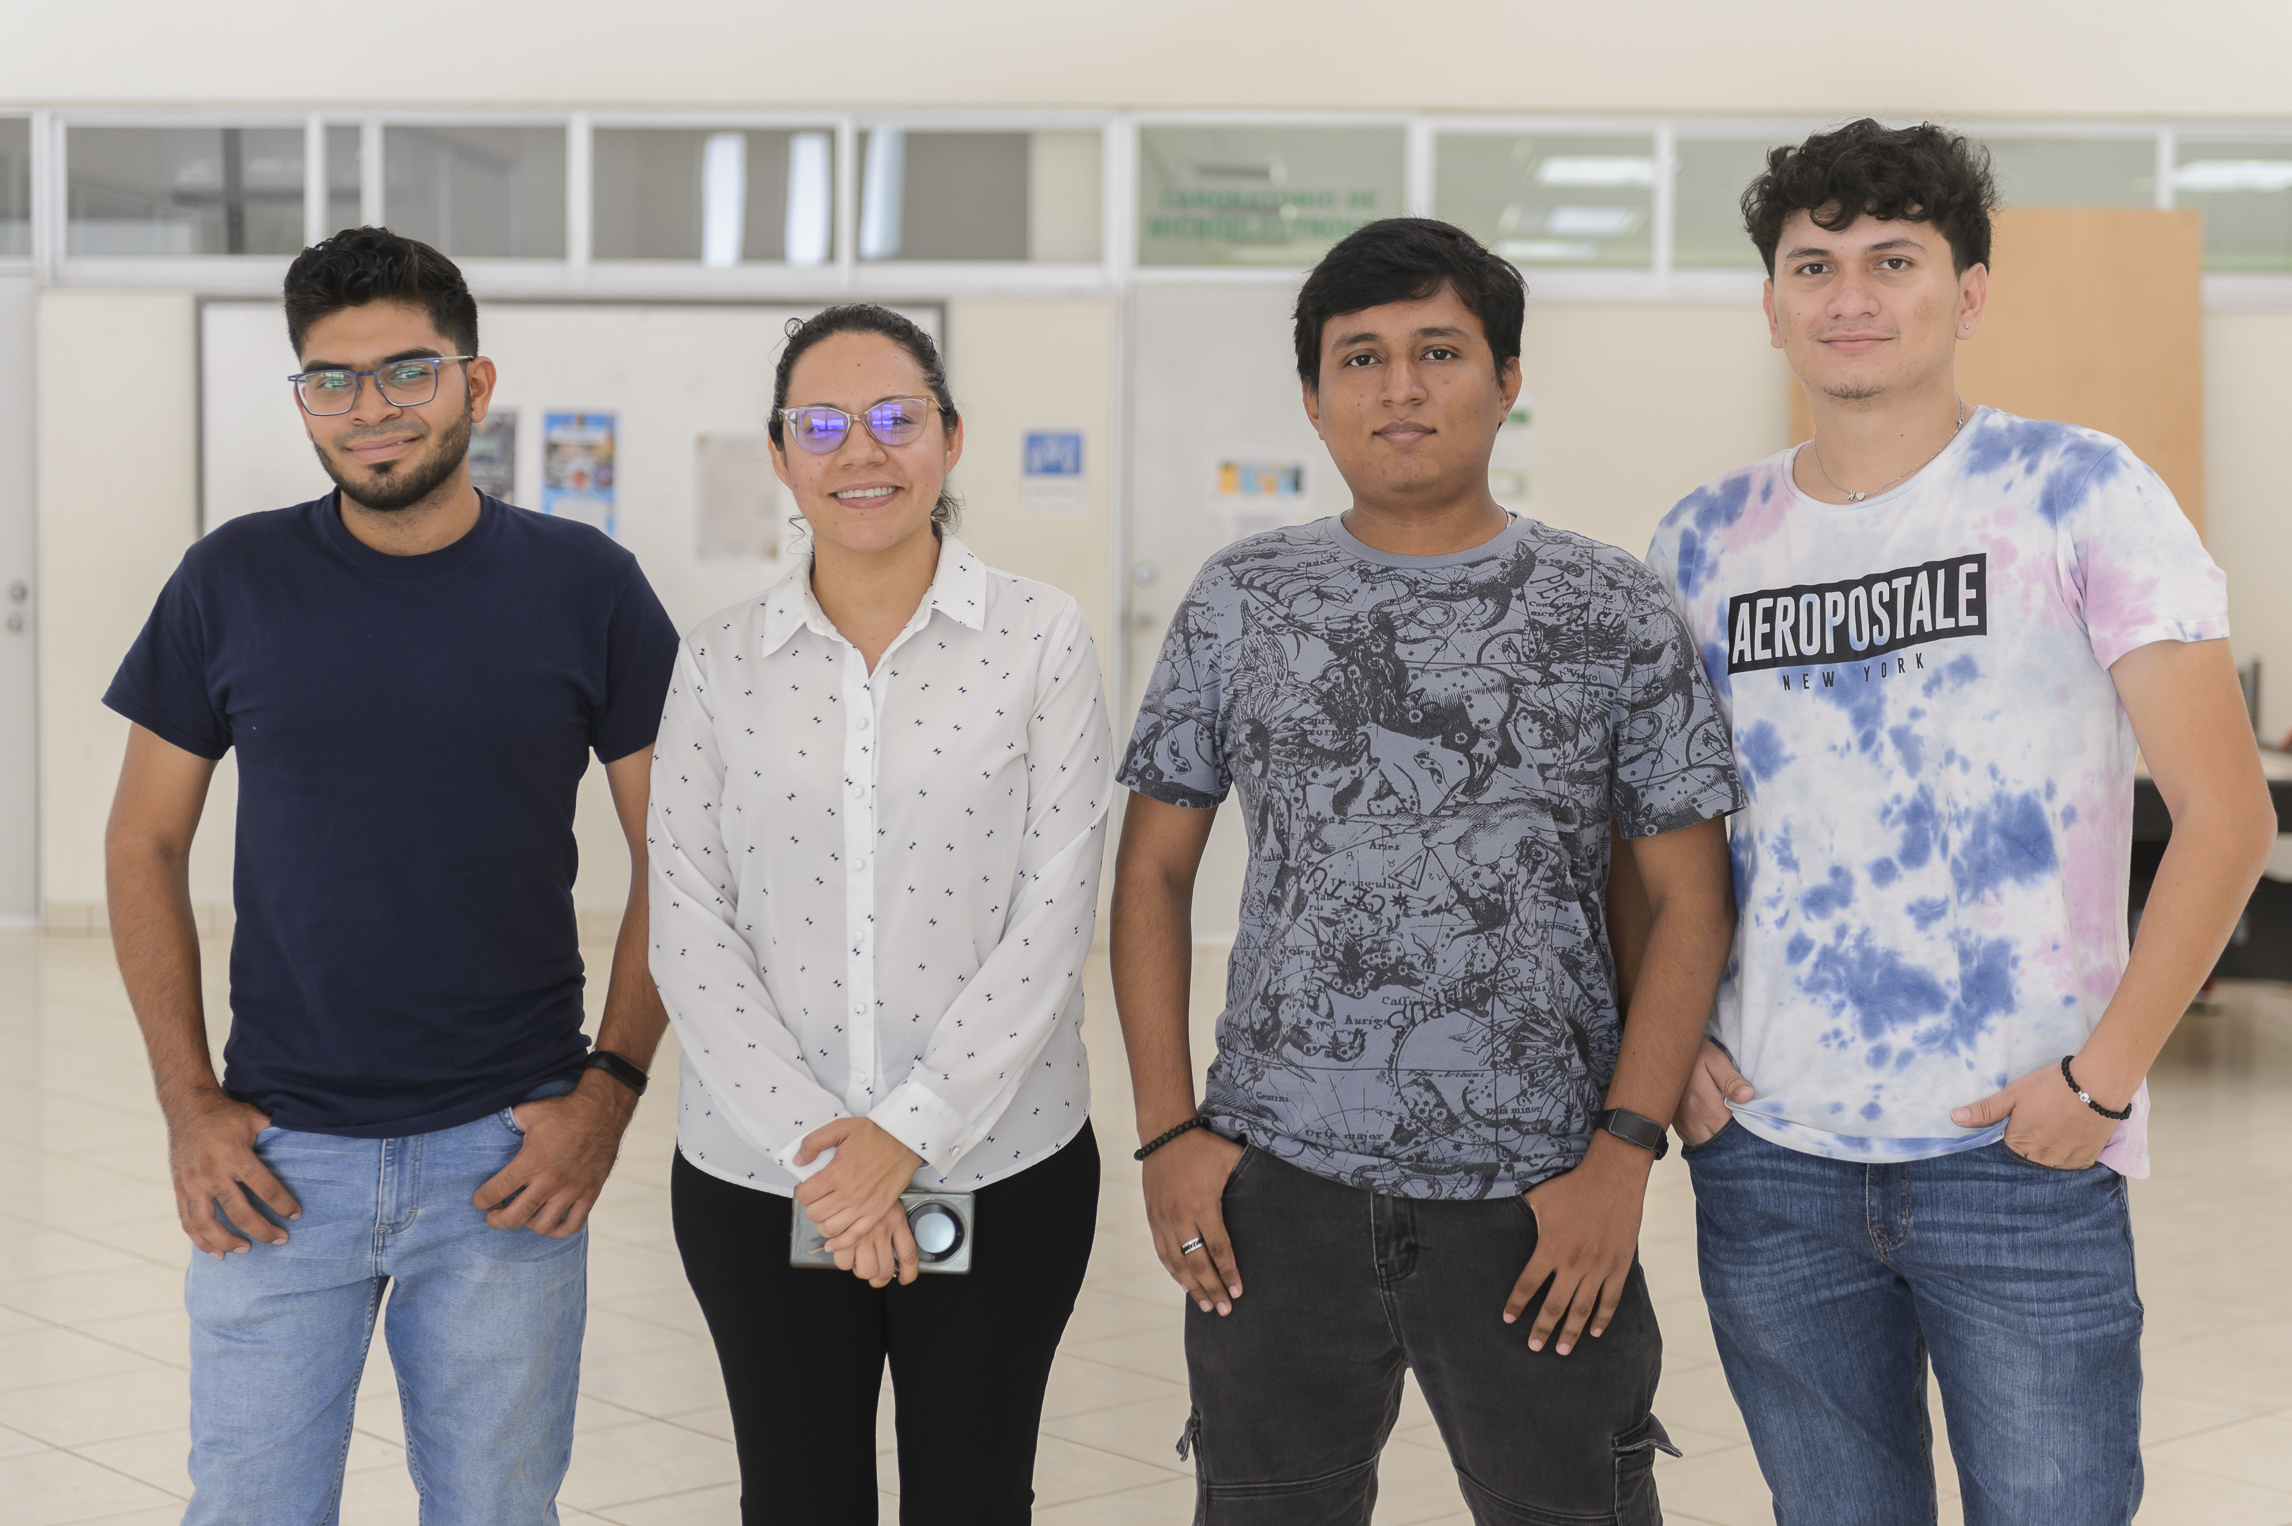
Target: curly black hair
<point x="870" y="318"/>
<point x="1406" y="259"/>
<point x="361" y="265"/>
<point x="1925" y="173"/>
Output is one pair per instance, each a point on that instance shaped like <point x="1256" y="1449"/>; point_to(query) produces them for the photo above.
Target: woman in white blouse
<point x="879" y="802"/>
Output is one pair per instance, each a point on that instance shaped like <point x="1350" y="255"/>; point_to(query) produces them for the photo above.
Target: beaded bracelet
<point x="2087" y="1098"/>
<point x="1159" y="1140"/>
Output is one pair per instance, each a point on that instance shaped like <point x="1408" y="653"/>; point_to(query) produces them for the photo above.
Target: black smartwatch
<point x="619" y="1069"/>
<point x="1631" y="1128"/>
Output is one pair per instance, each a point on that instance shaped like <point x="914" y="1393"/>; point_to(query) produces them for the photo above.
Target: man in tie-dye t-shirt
<point x="1940" y="633"/>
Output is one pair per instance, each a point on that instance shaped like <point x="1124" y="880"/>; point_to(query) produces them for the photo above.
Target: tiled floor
<point x="92" y="1407"/>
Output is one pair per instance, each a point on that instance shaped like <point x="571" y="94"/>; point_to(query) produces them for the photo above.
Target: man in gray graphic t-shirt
<point x="1428" y="752"/>
<point x="1429" y="1117"/>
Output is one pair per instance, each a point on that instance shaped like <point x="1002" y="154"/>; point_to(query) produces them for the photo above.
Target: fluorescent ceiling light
<point x="1550" y="251"/>
<point x="811" y="199"/>
<point x="723" y="197"/>
<point x="2234" y="175"/>
<point x="883" y="194"/>
<point x="1591" y="222"/>
<point x="1597" y="169"/>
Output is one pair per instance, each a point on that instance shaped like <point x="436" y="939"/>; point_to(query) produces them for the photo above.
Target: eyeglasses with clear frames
<point x="818" y="431"/>
<point x="405" y="383"/>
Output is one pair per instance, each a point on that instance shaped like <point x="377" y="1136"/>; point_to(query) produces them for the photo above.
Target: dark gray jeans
<point x="1295" y="1391"/>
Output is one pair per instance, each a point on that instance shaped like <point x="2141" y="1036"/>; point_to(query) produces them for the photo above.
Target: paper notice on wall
<point x="577" y="474"/>
<point x="493" y="454"/>
<point x="1253" y="496"/>
<point x="1051" y="479"/>
<point x="736" y="499"/>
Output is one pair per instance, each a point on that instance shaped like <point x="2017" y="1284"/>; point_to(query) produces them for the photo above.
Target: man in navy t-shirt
<point x="413" y="675"/>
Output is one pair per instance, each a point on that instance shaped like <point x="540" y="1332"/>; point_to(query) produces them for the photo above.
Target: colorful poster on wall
<point x="577" y="467"/>
<point x="1252" y="497"/>
<point x="1050" y="473"/>
<point x="493" y="454"/>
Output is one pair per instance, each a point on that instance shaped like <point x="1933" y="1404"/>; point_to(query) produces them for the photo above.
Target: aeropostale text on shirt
<point x="1861" y="616"/>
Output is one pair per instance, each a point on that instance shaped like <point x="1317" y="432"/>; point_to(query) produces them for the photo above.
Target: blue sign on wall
<point x="1054" y="453"/>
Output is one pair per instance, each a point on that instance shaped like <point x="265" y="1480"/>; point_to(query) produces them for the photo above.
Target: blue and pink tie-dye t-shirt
<point x="1932" y="870"/>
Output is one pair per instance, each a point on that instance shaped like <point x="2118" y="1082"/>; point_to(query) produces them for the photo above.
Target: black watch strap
<point x="619" y="1069"/>
<point x="1632" y="1128"/>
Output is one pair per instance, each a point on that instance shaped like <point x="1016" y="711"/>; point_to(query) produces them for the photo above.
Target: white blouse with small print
<point x="872" y="894"/>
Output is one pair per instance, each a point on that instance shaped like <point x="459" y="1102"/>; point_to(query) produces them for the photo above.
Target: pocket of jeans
<point x="1635" y="1453"/>
<point x="508" y="1117"/>
<point x="1686" y="1149"/>
<point x="2039" y="1165"/>
<point x="1242" y="1163"/>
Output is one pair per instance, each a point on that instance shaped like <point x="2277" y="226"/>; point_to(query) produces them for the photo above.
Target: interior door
<point x="19" y="691"/>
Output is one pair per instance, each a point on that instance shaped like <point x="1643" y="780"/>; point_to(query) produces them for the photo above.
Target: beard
<point x="1852" y="392"/>
<point x="402" y="484"/>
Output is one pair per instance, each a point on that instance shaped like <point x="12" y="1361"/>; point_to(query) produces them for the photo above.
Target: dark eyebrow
<point x="423" y="352"/>
<point x="1810" y="251"/>
<point x="1440" y="331"/>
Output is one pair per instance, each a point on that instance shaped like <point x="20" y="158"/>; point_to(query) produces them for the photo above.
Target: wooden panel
<point x="2096" y="317"/>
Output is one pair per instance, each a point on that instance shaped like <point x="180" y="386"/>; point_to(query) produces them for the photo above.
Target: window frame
<point x="578" y="275"/>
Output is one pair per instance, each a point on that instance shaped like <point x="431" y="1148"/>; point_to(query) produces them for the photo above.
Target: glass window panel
<point x="15" y="187"/>
<point x="943" y="195"/>
<point x="1262" y="195"/>
<point x="183" y="190"/>
<point x="721" y="197"/>
<point x="1550" y="200"/>
<point x="2075" y="172"/>
<point x="1707" y="203"/>
<point x="477" y="191"/>
<point x="344" y="179"/>
<point x="2245" y="193"/>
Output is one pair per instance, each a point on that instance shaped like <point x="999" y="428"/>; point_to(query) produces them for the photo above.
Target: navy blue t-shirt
<point x="411" y="733"/>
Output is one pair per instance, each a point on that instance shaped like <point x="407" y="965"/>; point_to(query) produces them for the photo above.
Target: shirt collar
<point x="958" y="591"/>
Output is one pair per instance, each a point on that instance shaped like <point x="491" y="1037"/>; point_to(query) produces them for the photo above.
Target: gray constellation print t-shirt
<point x="1428" y="752"/>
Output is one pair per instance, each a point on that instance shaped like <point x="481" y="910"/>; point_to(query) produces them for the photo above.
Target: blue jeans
<point x="1832" y="1283"/>
<point x="484" y="1330"/>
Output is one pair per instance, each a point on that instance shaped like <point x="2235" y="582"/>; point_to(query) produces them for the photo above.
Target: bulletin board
<point x="2096" y="317"/>
<point x="683" y="383"/>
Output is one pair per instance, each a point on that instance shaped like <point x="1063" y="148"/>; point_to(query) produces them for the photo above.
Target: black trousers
<point x="803" y="1350"/>
<point x="1296" y="1390"/>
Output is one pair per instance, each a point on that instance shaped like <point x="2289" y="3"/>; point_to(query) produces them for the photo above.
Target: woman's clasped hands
<point x="854" y="1199"/>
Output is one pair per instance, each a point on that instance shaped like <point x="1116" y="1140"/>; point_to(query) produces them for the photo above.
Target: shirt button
<point x="859" y="790"/>
<point x="861" y="722"/>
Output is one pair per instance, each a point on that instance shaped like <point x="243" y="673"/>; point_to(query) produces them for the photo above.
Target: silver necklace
<point x="1889" y="482"/>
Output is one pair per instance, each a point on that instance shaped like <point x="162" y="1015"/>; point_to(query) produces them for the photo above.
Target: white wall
<point x="2248" y="492"/>
<point x="1963" y="57"/>
<point x="1638" y="403"/>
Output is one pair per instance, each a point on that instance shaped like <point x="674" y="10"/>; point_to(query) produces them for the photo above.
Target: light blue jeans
<point x="484" y="1330"/>
<point x="1831" y="1284"/>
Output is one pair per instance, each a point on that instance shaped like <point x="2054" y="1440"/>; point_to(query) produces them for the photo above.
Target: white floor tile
<point x="47" y="1488"/>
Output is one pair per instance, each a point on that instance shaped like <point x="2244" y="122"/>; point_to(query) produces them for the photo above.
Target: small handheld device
<point x="943" y="1223"/>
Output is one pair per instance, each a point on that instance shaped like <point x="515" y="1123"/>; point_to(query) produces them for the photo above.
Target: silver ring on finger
<point x="1190" y="1246"/>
